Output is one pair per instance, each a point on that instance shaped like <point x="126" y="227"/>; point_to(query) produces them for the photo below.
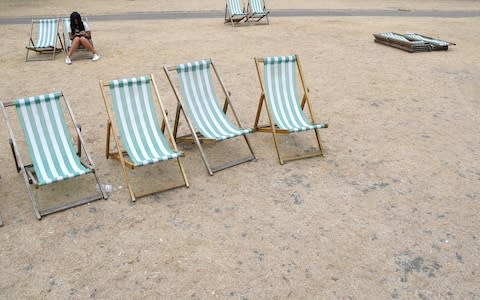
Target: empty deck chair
<point x="135" y="120"/>
<point x="399" y="41"/>
<point x="50" y="147"/>
<point x="283" y="104"/>
<point x="434" y="43"/>
<point x="67" y="42"/>
<point x="411" y="42"/>
<point x="256" y="11"/>
<point x="199" y="103"/>
<point x="46" y="41"/>
<point x="234" y="12"/>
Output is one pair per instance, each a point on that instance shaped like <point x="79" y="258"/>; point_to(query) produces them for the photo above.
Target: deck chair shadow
<point x="135" y="120"/>
<point x="67" y="42"/>
<point x="46" y="39"/>
<point x="206" y="119"/>
<point x="256" y="11"/>
<point x="234" y="12"/>
<point x="282" y="102"/>
<point x="50" y="147"/>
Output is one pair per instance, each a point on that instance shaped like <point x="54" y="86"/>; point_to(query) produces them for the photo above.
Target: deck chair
<point x="234" y="12"/>
<point x="399" y="41"/>
<point x="284" y="107"/>
<point x="67" y="42"/>
<point x="47" y="38"/>
<point x="256" y="11"/>
<point x="50" y="147"/>
<point x="205" y="118"/>
<point x="434" y="43"/>
<point x="142" y="141"/>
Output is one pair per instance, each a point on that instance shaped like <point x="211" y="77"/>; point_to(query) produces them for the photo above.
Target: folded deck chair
<point x="199" y="103"/>
<point x="433" y="43"/>
<point x="67" y="42"/>
<point x="234" y="12"/>
<point x="256" y="11"/>
<point x="50" y="147"/>
<point x="284" y="107"/>
<point x="47" y="38"/>
<point x="399" y="41"/>
<point x="142" y="141"/>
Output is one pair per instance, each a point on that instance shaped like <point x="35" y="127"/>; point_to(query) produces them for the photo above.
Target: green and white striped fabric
<point x="394" y="36"/>
<point x="47" y="33"/>
<point x="202" y="104"/>
<point x="66" y="25"/>
<point x="138" y="122"/>
<point x="417" y="37"/>
<point x="235" y="7"/>
<point x="282" y="95"/>
<point x="257" y="6"/>
<point x="50" y="144"/>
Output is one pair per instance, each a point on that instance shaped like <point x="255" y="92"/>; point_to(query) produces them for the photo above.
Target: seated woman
<point x="80" y="35"/>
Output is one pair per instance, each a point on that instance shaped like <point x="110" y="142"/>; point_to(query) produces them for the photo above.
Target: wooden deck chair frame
<point x="197" y="137"/>
<point x="272" y="127"/>
<point x="32" y="46"/>
<point x="234" y="18"/>
<point x="28" y="171"/>
<point x="255" y="16"/>
<point x="121" y="154"/>
<point x="66" y="38"/>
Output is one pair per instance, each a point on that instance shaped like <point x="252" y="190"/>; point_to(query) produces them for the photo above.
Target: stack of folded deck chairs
<point x="411" y="42"/>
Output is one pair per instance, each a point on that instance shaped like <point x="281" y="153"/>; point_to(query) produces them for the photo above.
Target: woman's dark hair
<point x="78" y="25"/>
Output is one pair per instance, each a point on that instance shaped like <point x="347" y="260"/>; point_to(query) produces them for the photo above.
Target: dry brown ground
<point x="391" y="211"/>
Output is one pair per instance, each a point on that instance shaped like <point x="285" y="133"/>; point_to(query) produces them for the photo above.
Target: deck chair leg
<point x="19" y="162"/>
<point x="177" y="119"/>
<point x="107" y="146"/>
<point x="202" y="153"/>
<point x="317" y="135"/>
<point x="304" y="100"/>
<point x="182" y="170"/>
<point x="277" y="147"/>
<point x="127" y="179"/>
<point x="274" y="134"/>
<point x="225" y="105"/>
<point x="259" y="110"/>
<point x="250" y="147"/>
<point x="197" y="141"/>
<point x="32" y="197"/>
<point x="272" y="126"/>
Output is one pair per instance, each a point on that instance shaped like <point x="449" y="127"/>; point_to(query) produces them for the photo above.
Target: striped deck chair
<point x="256" y="11"/>
<point x="67" y="42"/>
<point x="50" y="147"/>
<point x="47" y="38"/>
<point x="234" y="12"/>
<point x="399" y="41"/>
<point x="142" y="140"/>
<point x="199" y="103"/>
<point x="284" y="107"/>
<point x="434" y="44"/>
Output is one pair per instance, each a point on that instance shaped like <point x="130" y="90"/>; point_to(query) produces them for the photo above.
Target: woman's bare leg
<point x="74" y="46"/>
<point x="86" y="43"/>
